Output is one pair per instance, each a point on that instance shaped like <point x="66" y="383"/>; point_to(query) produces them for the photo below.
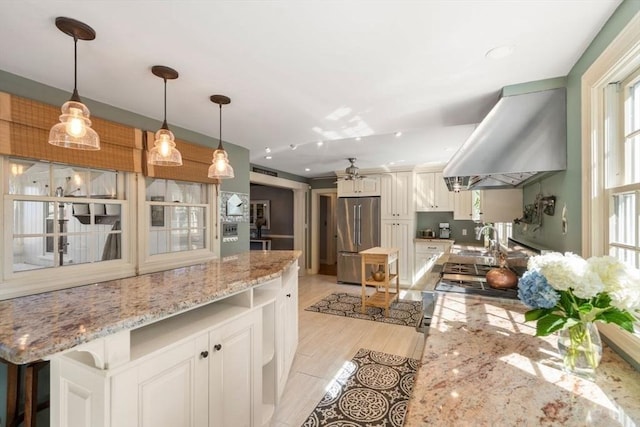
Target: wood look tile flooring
<point x="326" y="342"/>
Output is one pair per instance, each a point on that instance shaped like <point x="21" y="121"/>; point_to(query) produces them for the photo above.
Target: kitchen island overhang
<point x="37" y="326"/>
<point x="482" y="365"/>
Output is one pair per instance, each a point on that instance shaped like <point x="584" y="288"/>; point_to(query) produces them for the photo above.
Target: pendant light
<point x="164" y="151"/>
<point x="220" y="167"/>
<point x="74" y="129"/>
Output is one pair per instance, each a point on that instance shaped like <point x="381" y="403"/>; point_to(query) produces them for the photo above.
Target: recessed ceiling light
<point x="398" y="133"/>
<point x="307" y="170"/>
<point x="319" y="143"/>
<point x="268" y="157"/>
<point x="293" y="146"/>
<point x="358" y="139"/>
<point x="500" y="52"/>
<point x="267" y="150"/>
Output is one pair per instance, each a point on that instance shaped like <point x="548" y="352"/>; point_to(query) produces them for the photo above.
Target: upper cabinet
<point x="432" y="193"/>
<point x="500" y="205"/>
<point x="367" y="186"/>
<point x="463" y="205"/>
<point x="396" y="191"/>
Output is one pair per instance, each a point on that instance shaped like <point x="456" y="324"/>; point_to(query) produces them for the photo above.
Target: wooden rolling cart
<point x="375" y="258"/>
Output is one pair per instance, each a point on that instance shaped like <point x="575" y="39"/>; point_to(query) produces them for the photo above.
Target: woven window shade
<point x="196" y="160"/>
<point x="24" y="132"/>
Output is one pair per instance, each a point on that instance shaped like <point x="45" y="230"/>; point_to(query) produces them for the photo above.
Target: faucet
<point x="496" y="241"/>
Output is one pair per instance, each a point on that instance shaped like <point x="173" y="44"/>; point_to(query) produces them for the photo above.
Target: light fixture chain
<point x="165" y="100"/>
<point x="220" y="138"/>
<point x="75" y="64"/>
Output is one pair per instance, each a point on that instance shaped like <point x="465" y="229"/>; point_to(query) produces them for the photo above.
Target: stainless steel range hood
<point x="522" y="137"/>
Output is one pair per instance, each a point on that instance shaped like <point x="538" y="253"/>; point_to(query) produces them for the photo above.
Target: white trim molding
<point x="618" y="60"/>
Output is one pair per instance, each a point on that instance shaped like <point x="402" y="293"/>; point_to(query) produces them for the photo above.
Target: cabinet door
<point x="346" y="188"/>
<point x="168" y="390"/>
<point x="425" y="191"/>
<point x="235" y="385"/>
<point x="403" y="195"/>
<point x="387" y="209"/>
<point x="443" y="198"/>
<point x="463" y="205"/>
<point x="369" y="186"/>
<point x="501" y="205"/>
<point x="399" y="234"/>
<point x="287" y="326"/>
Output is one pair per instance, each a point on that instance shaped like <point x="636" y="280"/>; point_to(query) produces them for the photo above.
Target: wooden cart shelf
<point x="383" y="258"/>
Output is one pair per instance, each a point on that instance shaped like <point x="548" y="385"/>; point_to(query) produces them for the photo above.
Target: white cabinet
<point x="432" y="193"/>
<point x="426" y="254"/>
<point x="218" y="365"/>
<point x="396" y="196"/>
<point x="234" y="383"/>
<point x="463" y="205"/>
<point x="399" y="234"/>
<point x="500" y="205"/>
<point x="367" y="186"/>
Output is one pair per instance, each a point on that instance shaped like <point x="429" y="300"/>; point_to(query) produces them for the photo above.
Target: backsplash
<point x="431" y="220"/>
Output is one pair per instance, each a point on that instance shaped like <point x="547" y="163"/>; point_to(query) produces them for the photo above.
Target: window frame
<point x="148" y="263"/>
<point x="619" y="60"/>
<point x="28" y="282"/>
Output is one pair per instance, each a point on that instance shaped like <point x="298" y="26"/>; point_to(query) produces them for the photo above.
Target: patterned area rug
<point x="371" y="390"/>
<point x="401" y="312"/>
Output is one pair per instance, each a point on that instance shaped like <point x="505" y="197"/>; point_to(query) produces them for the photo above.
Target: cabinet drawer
<point x="431" y="247"/>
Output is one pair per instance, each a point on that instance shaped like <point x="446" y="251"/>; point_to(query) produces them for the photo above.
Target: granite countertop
<point x="483" y="366"/>
<point x="36" y="326"/>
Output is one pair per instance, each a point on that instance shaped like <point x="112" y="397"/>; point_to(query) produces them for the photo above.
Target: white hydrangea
<point x="620" y="281"/>
<point x="567" y="271"/>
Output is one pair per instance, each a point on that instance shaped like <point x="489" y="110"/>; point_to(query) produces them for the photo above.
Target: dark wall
<point x="280" y="214"/>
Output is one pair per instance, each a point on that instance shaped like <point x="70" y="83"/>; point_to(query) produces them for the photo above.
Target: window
<point x="60" y="216"/>
<point x="623" y="168"/>
<point x="611" y="162"/>
<point x="177" y="224"/>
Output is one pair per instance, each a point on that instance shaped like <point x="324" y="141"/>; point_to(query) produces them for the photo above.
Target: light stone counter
<point x="37" y="326"/>
<point x="483" y="366"/>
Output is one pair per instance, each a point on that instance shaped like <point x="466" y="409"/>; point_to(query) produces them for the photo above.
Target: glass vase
<point x="581" y="349"/>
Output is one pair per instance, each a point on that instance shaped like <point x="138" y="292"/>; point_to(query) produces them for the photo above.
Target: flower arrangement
<point x="568" y="293"/>
<point x="566" y="289"/>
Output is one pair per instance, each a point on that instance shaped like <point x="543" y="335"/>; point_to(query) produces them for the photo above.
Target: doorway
<point x="327" y="237"/>
<point x="323" y="231"/>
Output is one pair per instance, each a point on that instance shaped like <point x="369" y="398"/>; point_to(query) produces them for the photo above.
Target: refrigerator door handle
<point x="359" y="225"/>
<point x="355" y="226"/>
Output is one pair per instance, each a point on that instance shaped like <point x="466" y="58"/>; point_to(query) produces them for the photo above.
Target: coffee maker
<point x="445" y="230"/>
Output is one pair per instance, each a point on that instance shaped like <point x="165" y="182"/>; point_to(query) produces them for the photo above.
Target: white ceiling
<point x="300" y="72"/>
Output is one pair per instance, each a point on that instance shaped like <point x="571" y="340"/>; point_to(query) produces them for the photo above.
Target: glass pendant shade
<point x="74" y="129"/>
<point x="220" y="167"/>
<point x="164" y="151"/>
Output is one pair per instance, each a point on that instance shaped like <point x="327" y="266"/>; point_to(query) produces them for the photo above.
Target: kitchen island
<point x="483" y="366"/>
<point x="117" y="348"/>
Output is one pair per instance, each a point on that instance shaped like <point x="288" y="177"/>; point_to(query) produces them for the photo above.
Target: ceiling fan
<point x="352" y="172"/>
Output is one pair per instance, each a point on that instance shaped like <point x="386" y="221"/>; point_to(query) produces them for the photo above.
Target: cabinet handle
<point x="288" y="295"/>
<point x="204" y="354"/>
<point x="217" y="347"/>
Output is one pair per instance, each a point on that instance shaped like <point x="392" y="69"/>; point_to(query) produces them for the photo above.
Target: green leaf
<point x="549" y="323"/>
<point x="585" y="308"/>
<point x="535" y="314"/>
<point x="602" y="300"/>
<point x="621" y="318"/>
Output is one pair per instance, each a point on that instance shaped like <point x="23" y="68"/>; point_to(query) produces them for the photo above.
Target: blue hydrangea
<point x="535" y="291"/>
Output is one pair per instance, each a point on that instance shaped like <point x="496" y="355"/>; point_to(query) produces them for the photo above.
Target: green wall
<point x="566" y="185"/>
<point x="238" y="156"/>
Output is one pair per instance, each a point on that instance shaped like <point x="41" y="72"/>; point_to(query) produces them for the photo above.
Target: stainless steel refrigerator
<point x="358" y="229"/>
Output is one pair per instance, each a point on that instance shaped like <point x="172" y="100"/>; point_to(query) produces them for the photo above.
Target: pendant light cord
<point x="75" y="96"/>
<point x="164" y="122"/>
<point x="220" y="137"/>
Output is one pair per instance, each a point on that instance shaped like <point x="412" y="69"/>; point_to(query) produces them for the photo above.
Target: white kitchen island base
<point x="223" y="363"/>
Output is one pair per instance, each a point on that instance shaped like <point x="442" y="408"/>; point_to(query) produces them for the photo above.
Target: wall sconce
<point x="220" y="167"/>
<point x="74" y="129"/>
<point x="164" y="151"/>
